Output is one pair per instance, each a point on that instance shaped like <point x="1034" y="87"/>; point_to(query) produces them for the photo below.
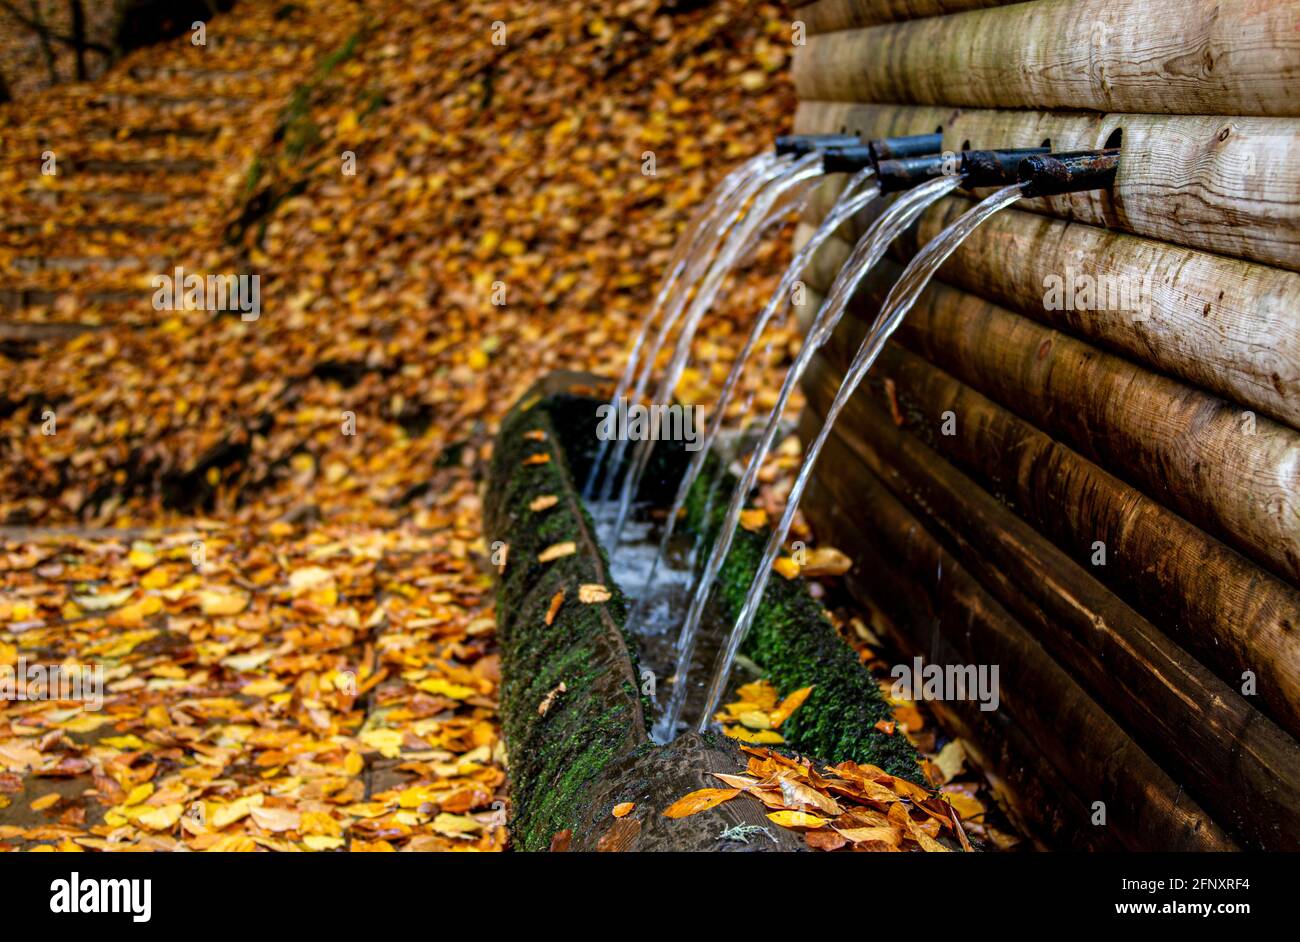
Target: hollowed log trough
<point x="575" y="720"/>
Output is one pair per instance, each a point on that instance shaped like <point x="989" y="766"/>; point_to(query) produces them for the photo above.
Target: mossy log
<point x="1145" y="808"/>
<point x="1230" y="472"/>
<point x="1182" y="56"/>
<point x="1228" y="755"/>
<point x="573" y="716"/>
<point x="824" y="16"/>
<point x="1221" y="184"/>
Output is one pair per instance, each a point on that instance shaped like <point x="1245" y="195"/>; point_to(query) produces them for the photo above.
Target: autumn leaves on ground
<point x="266" y="532"/>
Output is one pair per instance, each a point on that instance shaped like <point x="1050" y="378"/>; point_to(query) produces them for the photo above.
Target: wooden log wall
<point x="1021" y="418"/>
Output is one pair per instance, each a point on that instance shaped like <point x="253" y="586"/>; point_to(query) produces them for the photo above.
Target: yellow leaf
<point x="321" y="842"/>
<point x="557" y="551"/>
<point x="789" y="705"/>
<point x="698" y="801"/>
<point x="753" y="520"/>
<point x="222" y="603"/>
<point x="161" y="819"/>
<point x="624" y="808"/>
<point x="786" y="566"/>
<point x="140" y="558"/>
<point x="591" y="593"/>
<point x="796" y="819"/>
<point x="826" y="561"/>
<point x="46" y="801"/>
<point x="544" y="502"/>
<point x="443" y="687"/>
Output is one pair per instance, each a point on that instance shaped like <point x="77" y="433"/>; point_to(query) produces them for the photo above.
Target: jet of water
<point x="896" y="305"/>
<point x="859" y="192"/>
<point x="887" y="227"/>
<point x="703" y="232"/>
<point x="770" y="205"/>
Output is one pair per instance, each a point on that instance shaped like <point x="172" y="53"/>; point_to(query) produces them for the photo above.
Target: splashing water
<point x="888" y="226"/>
<point x="895" y="307"/>
<point x="733" y="210"/>
<point x="769" y="206"/>
<point x="859" y="192"/>
<point x="696" y="243"/>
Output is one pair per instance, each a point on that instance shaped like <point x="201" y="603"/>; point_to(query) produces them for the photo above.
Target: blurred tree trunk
<point x="78" y="12"/>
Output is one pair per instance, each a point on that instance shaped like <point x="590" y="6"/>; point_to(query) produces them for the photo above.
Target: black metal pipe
<point x="912" y="145"/>
<point x="1070" y="172"/>
<point x="847" y="159"/>
<point x="857" y="157"/>
<point x="981" y="168"/>
<point x="800" y="144"/>
<point x="894" y="176"/>
<point x="977" y="168"/>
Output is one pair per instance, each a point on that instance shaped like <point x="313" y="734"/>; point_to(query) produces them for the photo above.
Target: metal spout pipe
<point x="855" y="157"/>
<point x="800" y="144"/>
<point x="1070" y="172"/>
<point x="977" y="168"/>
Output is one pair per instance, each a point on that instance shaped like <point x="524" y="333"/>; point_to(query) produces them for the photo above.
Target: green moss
<point x="555" y="757"/>
<point x="795" y="644"/>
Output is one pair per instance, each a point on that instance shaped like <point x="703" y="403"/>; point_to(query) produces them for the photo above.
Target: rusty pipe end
<point x="983" y="168"/>
<point x="1071" y="172"/>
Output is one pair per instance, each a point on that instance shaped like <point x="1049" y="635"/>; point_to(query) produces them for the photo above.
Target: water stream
<point x="735" y="208"/>
<point x="869" y="249"/>
<point x="770" y="205"/>
<point x="694" y="247"/>
<point x="857" y="194"/>
<point x="895" y="307"/>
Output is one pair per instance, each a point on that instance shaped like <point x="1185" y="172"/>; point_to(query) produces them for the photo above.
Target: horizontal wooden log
<point x="1146" y="807"/>
<point x="1228" y="326"/>
<point x="1201" y="730"/>
<point x="824" y="16"/>
<point x="1205" y="596"/>
<point x="1179" y="56"/>
<point x="1040" y="801"/>
<point x="1221" y="184"/>
<point x="1224" y="325"/>
<point x="1236" y="476"/>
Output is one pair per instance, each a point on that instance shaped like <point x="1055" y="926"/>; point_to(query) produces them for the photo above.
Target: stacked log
<point x="1116" y="480"/>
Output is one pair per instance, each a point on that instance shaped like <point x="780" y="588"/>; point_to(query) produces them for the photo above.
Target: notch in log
<point x="798" y="145"/>
<point x="1073" y="172"/>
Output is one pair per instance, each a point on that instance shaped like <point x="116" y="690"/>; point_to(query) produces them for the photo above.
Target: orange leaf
<point x="698" y="801"/>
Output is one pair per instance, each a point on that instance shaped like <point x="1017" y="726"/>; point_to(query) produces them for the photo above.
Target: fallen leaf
<point x="623" y="809"/>
<point x="591" y="593"/>
<point x="556" y="601"/>
<point x="698" y="801"/>
<point x="557" y="551"/>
